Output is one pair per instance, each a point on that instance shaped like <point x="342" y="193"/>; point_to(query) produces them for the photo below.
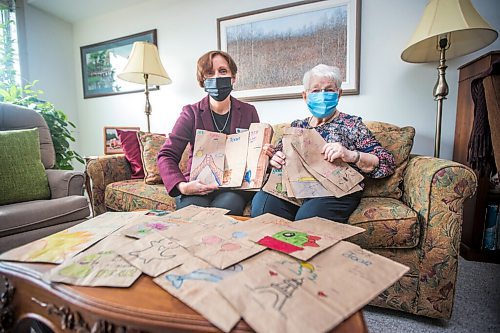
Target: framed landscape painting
<point x="102" y="62"/>
<point x="112" y="144"/>
<point x="274" y="47"/>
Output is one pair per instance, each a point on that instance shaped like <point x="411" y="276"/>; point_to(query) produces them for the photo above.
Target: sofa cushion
<point x="132" y="151"/>
<point x="24" y="216"/>
<point x="130" y="195"/>
<point x="22" y="176"/>
<point x="399" y="142"/>
<point x="150" y="145"/>
<point x="388" y="222"/>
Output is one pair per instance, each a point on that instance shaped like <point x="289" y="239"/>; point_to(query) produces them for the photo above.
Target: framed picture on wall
<point x="102" y="62"/>
<point x="112" y="144"/>
<point x="274" y="47"/>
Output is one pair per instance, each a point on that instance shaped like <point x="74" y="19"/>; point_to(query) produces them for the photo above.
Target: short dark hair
<point x="205" y="65"/>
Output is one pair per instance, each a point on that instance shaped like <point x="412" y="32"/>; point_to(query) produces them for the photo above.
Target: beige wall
<point x="390" y="89"/>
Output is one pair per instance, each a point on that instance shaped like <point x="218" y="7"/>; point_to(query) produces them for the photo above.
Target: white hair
<point x="320" y="71"/>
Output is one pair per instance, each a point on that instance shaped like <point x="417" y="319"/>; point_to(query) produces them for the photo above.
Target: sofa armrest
<point x="436" y="190"/>
<point x="102" y="171"/>
<point x="64" y="183"/>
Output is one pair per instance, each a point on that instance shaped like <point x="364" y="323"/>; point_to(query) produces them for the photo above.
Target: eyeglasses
<point x="317" y="90"/>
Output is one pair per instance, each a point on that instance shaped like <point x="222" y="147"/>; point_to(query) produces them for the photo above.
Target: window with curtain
<point x="9" y="60"/>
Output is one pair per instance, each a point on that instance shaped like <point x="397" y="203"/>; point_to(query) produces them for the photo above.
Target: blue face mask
<point x="322" y="104"/>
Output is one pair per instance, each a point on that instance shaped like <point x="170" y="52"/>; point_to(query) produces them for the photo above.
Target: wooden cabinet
<point x="474" y="208"/>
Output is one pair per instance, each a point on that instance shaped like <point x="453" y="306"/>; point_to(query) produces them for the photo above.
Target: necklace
<point x="220" y="130"/>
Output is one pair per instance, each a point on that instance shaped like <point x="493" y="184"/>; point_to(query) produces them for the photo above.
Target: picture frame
<point x="112" y="144"/>
<point x="274" y="47"/>
<point x="102" y="62"/>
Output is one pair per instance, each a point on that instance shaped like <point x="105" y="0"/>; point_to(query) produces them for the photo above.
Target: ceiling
<point x="76" y="10"/>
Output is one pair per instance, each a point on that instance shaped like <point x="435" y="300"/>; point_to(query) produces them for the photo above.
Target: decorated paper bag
<point x="147" y="227"/>
<point x="274" y="186"/>
<point x="62" y="245"/>
<point x="192" y="213"/>
<point x="236" y="159"/>
<point x="329" y="185"/>
<point x="220" y="243"/>
<point x="99" y="266"/>
<point x="257" y="160"/>
<point x="303" y="239"/>
<point x="188" y="230"/>
<point x="194" y="284"/>
<point x="154" y="254"/>
<point x="208" y="157"/>
<point x="309" y="146"/>
<point x="302" y="183"/>
<point x="289" y="295"/>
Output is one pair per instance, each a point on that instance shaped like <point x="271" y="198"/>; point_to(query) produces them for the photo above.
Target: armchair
<point x="23" y="222"/>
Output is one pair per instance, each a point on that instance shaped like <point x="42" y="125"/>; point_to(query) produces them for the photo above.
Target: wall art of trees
<point x="277" y="52"/>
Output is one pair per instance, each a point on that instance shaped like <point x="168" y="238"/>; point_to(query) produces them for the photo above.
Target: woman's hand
<point x="195" y="187"/>
<point x="269" y="149"/>
<point x="335" y="150"/>
<point x="278" y="160"/>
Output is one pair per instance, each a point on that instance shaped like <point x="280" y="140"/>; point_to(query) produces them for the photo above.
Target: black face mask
<point x="218" y="87"/>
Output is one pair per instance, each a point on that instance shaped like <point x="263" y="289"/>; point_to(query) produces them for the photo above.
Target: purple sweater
<point x="193" y="117"/>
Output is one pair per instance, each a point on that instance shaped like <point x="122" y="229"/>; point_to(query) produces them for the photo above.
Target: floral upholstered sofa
<point x="413" y="217"/>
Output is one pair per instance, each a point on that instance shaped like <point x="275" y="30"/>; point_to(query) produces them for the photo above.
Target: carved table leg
<point x="6" y="313"/>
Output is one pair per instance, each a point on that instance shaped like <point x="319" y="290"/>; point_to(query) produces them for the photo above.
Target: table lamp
<point x="144" y="66"/>
<point x="447" y="29"/>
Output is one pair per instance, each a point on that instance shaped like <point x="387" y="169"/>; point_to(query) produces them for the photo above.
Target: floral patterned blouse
<point x="353" y="134"/>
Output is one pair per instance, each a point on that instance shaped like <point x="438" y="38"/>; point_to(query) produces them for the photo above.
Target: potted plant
<point x="56" y="120"/>
<point x="11" y="92"/>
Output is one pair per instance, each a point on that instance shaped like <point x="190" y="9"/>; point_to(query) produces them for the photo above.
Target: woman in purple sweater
<point x="218" y="111"/>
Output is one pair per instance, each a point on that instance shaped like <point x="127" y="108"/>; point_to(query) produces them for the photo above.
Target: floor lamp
<point x="447" y="29"/>
<point x="144" y="66"/>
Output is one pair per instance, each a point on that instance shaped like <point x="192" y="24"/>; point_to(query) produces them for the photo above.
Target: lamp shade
<point x="144" y="59"/>
<point x="467" y="31"/>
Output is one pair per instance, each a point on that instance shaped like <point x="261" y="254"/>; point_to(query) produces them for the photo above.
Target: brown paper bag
<point x="234" y="163"/>
<point x="302" y="183"/>
<point x="194" y="284"/>
<point x="208" y="157"/>
<point x="275" y="186"/>
<point x="289" y="295"/>
<point x="64" y="244"/>
<point x="256" y="159"/>
<point x="98" y="266"/>
<point x="341" y="174"/>
<point x="154" y="254"/>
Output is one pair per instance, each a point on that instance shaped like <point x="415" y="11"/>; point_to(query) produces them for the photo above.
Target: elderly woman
<point x="348" y="139"/>
<point x="218" y="111"/>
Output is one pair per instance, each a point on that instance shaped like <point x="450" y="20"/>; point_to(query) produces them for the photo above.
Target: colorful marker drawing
<point x="208" y="157"/>
<point x="157" y="250"/>
<point x="282" y="291"/>
<point x="208" y="171"/>
<point x="55" y="248"/>
<point x="103" y="268"/>
<point x="103" y="264"/>
<point x="289" y="241"/>
<point x="300" y="268"/>
<point x="213" y="275"/>
<point x="146" y="228"/>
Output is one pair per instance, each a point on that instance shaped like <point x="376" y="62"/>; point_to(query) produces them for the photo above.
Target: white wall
<point x="390" y="89"/>
<point x="50" y="59"/>
<point x="47" y="56"/>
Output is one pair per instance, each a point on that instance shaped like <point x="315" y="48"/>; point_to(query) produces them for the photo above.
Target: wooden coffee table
<point x="144" y="307"/>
